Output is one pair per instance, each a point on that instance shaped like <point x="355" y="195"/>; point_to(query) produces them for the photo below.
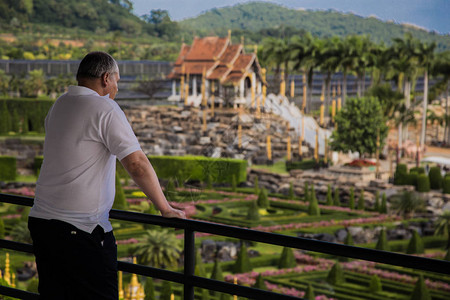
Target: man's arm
<point x="144" y="175"/>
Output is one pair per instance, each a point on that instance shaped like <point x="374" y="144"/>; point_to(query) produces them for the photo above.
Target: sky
<point x="428" y="14"/>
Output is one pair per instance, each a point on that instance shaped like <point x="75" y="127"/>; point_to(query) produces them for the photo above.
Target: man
<point x="86" y="130"/>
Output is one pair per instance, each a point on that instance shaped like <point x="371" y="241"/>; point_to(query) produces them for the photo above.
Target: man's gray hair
<point x="95" y="64"/>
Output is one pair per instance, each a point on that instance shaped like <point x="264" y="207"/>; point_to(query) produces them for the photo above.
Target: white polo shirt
<point x="85" y="132"/>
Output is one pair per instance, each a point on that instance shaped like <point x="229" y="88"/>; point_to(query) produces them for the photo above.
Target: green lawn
<point x="278" y="167"/>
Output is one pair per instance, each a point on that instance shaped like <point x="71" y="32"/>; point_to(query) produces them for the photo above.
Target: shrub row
<point x="7" y="168"/>
<point x="23" y="115"/>
<point x="221" y="170"/>
<point x="304" y="164"/>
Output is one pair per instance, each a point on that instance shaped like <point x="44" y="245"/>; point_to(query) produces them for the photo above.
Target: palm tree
<point x="425" y="58"/>
<point x="441" y="67"/>
<point x="407" y="203"/>
<point x="443" y="226"/>
<point x="158" y="248"/>
<point x="329" y="58"/>
<point x="275" y="53"/>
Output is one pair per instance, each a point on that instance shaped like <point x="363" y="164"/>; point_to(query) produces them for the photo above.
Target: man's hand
<point x="173" y="213"/>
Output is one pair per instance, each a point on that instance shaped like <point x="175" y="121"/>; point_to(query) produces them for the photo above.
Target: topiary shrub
<point x="149" y="289"/>
<point x="2" y="229"/>
<point x="420" y="291"/>
<point x="336" y="198"/>
<point x="313" y="208"/>
<point x="216" y="274"/>
<point x="287" y="259"/>
<point x="120" y="202"/>
<point x="263" y="200"/>
<point x="233" y="183"/>
<point x="256" y="185"/>
<point x="399" y="176"/>
<point x="38" y="163"/>
<point x="383" y="207"/>
<point x="349" y="239"/>
<point x="306" y="191"/>
<point x="166" y="290"/>
<point x="329" y="196"/>
<point x="423" y="183"/>
<point x="259" y="283"/>
<point x="253" y="213"/>
<point x="435" y="178"/>
<point x="446" y="185"/>
<point x="242" y="264"/>
<point x="291" y="194"/>
<point x="377" y="201"/>
<point x="309" y="293"/>
<point x="351" y="199"/>
<point x="411" y="179"/>
<point x="415" y="245"/>
<point x="418" y="170"/>
<point x="7" y="168"/>
<point x="170" y="192"/>
<point x="375" y="284"/>
<point x="336" y="275"/>
<point x="361" y="202"/>
<point x="382" y="243"/>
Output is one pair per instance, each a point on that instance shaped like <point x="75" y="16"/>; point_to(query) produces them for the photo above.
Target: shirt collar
<point x="76" y="90"/>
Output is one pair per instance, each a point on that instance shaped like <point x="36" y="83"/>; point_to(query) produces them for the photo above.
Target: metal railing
<point x="189" y="280"/>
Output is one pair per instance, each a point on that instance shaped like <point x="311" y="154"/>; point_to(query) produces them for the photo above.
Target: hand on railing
<point x="173" y="213"/>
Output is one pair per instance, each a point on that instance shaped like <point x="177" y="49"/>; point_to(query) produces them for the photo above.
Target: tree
<point x="166" y="290"/>
<point x="149" y="289"/>
<point x="377" y="201"/>
<point x="443" y="226"/>
<point x="259" y="283"/>
<point x="4" y="82"/>
<point x="375" y="284"/>
<point x="291" y="194"/>
<point x="287" y="259"/>
<point x="262" y="200"/>
<point x="382" y="243"/>
<point x="313" y="208"/>
<point x="329" y="196"/>
<point x="336" y="200"/>
<point x="158" y="248"/>
<point x="150" y="86"/>
<point x="336" y="275"/>
<point x="407" y="203"/>
<point x="309" y="293"/>
<point x="383" y="207"/>
<point x="20" y="233"/>
<point x="358" y="124"/>
<point x="415" y="245"/>
<point x="120" y="202"/>
<point x="420" y="291"/>
<point x="34" y="84"/>
<point x="252" y="212"/>
<point x="361" y="202"/>
<point x="351" y="199"/>
<point x="349" y="239"/>
<point x="306" y="191"/>
<point x="160" y="23"/>
<point x="242" y="264"/>
<point x="2" y="229"/>
<point x="216" y="274"/>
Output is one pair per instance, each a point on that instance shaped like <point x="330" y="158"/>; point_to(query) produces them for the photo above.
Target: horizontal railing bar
<point x="403" y="260"/>
<point x="151" y="272"/>
<point x="201" y="282"/>
<point x="392" y="258"/>
<point x="11" y="245"/>
<point x="17" y="293"/>
<point x="239" y="290"/>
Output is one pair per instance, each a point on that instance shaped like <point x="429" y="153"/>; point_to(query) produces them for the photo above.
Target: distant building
<point x="220" y="67"/>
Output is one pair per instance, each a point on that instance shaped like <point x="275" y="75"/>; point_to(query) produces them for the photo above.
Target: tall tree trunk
<point x="446" y="109"/>
<point x="407" y="94"/>
<point x="344" y="88"/>
<point x="424" y="114"/>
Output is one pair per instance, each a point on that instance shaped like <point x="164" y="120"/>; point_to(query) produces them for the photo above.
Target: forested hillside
<point x="257" y="20"/>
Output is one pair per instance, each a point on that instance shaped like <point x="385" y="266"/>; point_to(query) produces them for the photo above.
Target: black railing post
<point x="189" y="263"/>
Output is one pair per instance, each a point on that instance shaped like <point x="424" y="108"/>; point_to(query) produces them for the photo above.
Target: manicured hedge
<point x="7" y="168"/>
<point x="37" y="164"/>
<point x="423" y="183"/>
<point x="446" y="185"/>
<point x="435" y="178"/>
<point x="199" y="167"/>
<point x="24" y="114"/>
<point x="400" y="173"/>
<point x="304" y="164"/>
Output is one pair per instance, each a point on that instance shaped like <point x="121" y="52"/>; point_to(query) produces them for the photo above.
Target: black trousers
<point x="73" y="264"/>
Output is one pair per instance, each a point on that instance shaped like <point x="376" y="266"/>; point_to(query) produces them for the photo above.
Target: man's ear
<point x="105" y="79"/>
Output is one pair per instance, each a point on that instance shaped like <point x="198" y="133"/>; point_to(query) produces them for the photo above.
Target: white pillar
<point x="194" y="86"/>
<point x="174" y="87"/>
<point x="207" y="89"/>
<point x="259" y="91"/>
<point x="241" y="88"/>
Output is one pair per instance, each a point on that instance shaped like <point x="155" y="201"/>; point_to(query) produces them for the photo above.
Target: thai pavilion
<point x="215" y="66"/>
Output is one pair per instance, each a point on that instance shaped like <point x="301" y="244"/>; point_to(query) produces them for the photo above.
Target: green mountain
<point x="100" y="15"/>
<point x="256" y="20"/>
